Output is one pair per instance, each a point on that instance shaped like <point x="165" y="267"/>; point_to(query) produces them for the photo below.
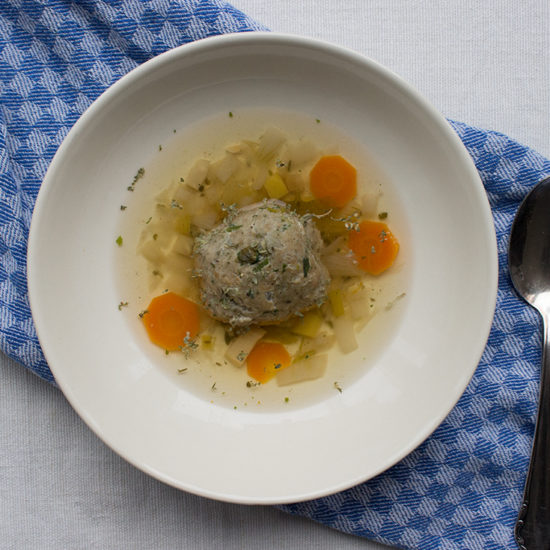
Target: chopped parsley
<point x="123" y="207"/>
<point x="261" y="265"/>
<point x="338" y="387"/>
<point x="233" y="227"/>
<point x="119" y="241"/>
<point x="230" y="114"/>
<point x="382" y="215"/>
<point x="142" y="313"/>
<point x="306" y="266"/>
<point x="121" y="305"/>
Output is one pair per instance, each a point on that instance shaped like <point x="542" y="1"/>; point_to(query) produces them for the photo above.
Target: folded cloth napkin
<point x="462" y="487"/>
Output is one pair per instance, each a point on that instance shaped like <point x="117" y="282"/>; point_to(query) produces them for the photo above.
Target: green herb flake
<point x="149" y="220"/>
<point x="306" y="266"/>
<point x="119" y="241"/>
<point x="338" y="387"/>
<point x="287" y="399"/>
<point x="233" y="228"/>
<point x="121" y="305"/>
<point x="213" y="388"/>
<point x="142" y="313"/>
<point x="317" y="120"/>
<point x="155" y="236"/>
<point x="261" y="265"/>
<point x="230" y="114"/>
<point x="123" y="207"/>
<point x="160" y="147"/>
<point x="382" y="215"/>
<point x="181" y="371"/>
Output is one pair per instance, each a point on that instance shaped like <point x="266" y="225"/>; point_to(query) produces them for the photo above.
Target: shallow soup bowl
<point x="261" y="445"/>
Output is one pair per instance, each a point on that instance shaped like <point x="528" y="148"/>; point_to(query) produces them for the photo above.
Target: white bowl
<point x="106" y="367"/>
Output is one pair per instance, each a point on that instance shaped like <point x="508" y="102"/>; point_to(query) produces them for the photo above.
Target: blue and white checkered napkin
<point x="462" y="487"/>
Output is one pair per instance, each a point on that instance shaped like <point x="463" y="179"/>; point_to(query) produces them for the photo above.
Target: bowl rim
<point x="249" y="39"/>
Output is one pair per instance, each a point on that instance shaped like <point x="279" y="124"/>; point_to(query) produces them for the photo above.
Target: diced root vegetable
<point x="336" y="302"/>
<point x="206" y="218"/>
<point x="341" y="265"/>
<point x="151" y="251"/>
<point x="360" y="304"/>
<point x="296" y="182"/>
<point x="270" y="142"/>
<point x="301" y="152"/>
<point x="197" y="174"/>
<point x="183" y="244"/>
<point x="303" y="370"/>
<point x="239" y="348"/>
<point x="266" y="360"/>
<point x="178" y="283"/>
<point x="308" y="325"/>
<point x="344" y="331"/>
<point x="226" y="167"/>
<point x="369" y="203"/>
<point x="275" y="186"/>
<point x="323" y="341"/>
<point x="335" y="246"/>
<point x="176" y="263"/>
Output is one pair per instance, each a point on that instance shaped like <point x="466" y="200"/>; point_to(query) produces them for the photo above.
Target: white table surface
<point x="485" y="63"/>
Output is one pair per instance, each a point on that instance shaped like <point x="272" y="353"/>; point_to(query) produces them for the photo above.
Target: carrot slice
<point x="170" y="320"/>
<point x="374" y="245"/>
<point x="333" y="180"/>
<point x="267" y="359"/>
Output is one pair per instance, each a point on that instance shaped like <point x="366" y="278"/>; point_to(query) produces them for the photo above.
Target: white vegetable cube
<point x="270" y="142"/>
<point x="225" y="168"/>
<point x="182" y="244"/>
<point x="175" y="263"/>
<point x="275" y="186"/>
<point x="309" y="368"/>
<point x="301" y="152"/>
<point x="197" y="174"/>
<point x="369" y="203"/>
<point x="344" y="331"/>
<point x="152" y="252"/>
<point x="238" y="350"/>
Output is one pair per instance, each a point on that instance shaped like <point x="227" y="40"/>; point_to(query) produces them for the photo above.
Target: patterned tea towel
<point x="462" y="487"/>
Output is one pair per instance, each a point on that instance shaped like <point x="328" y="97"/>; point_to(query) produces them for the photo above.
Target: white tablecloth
<point x="485" y="63"/>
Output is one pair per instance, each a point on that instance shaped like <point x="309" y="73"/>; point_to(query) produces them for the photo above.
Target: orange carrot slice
<point x="333" y="180"/>
<point x="267" y="359"/>
<point x="374" y="246"/>
<point x="171" y="321"/>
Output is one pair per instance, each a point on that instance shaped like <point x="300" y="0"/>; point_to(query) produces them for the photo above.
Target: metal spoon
<point x="529" y="265"/>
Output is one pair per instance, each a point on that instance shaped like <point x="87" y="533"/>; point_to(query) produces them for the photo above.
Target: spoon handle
<point x="532" y="529"/>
